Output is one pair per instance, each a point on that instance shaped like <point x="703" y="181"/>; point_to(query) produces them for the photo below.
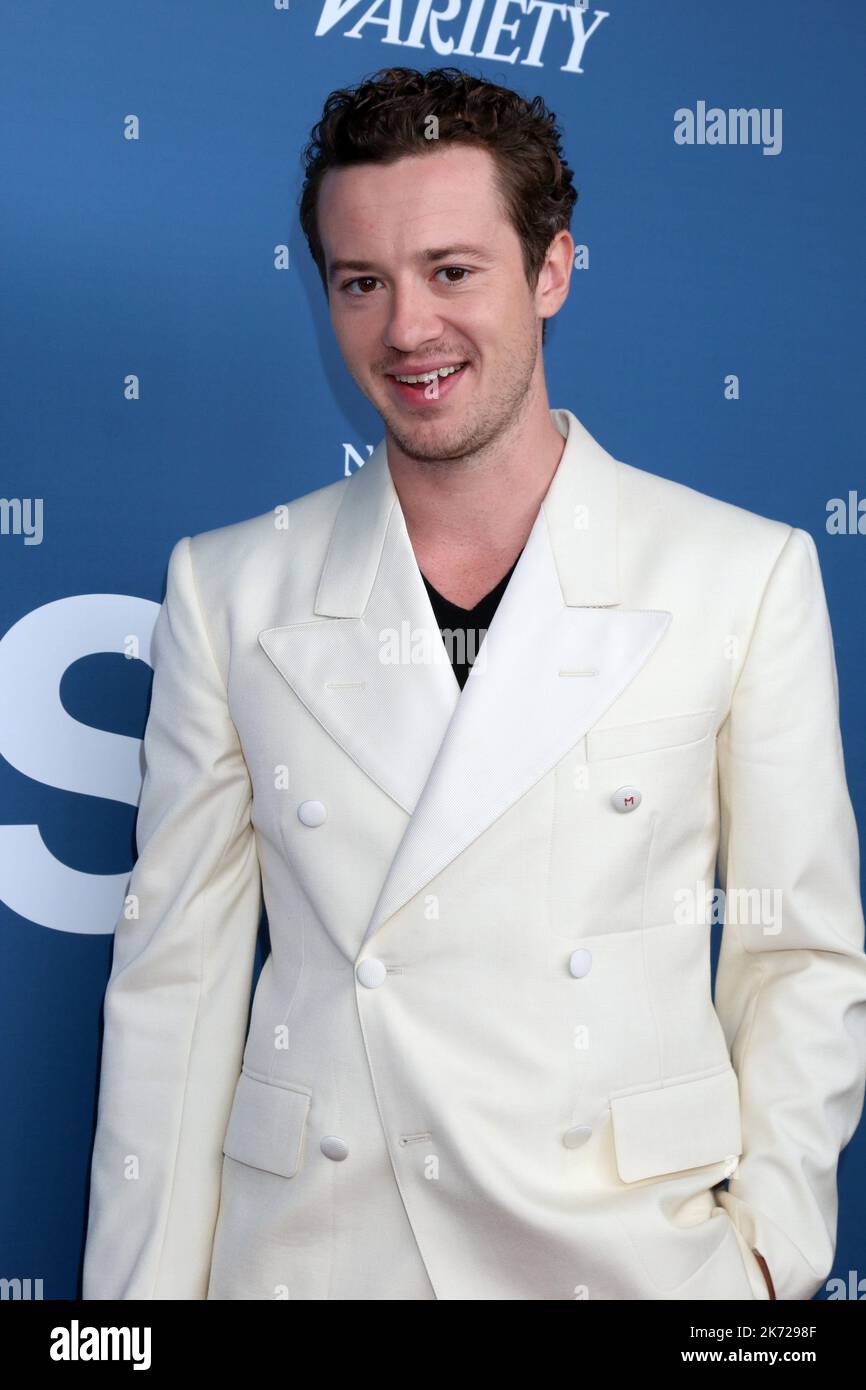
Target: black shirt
<point x="463" y="629"/>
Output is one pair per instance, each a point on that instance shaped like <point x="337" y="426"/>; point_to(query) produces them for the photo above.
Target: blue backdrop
<point x="167" y="369"/>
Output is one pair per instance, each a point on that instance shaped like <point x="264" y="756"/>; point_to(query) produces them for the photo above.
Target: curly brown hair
<point x="387" y="117"/>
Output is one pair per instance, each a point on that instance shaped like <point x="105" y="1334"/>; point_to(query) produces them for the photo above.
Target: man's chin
<point x="430" y="440"/>
<point x="433" y="434"/>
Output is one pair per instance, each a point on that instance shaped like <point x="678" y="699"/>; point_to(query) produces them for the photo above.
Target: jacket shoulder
<point x="705" y="515"/>
<point x="722" y="546"/>
<point x="225" y="555"/>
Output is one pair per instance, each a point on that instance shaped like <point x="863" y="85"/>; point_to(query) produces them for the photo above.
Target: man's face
<point x="398" y="310"/>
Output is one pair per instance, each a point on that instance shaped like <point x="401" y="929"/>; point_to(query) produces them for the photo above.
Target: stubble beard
<point x="474" y="435"/>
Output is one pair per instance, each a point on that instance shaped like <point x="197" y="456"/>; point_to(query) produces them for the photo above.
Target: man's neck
<point x="468" y="519"/>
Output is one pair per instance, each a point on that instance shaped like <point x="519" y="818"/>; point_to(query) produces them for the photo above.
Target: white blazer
<point x="484" y="1060"/>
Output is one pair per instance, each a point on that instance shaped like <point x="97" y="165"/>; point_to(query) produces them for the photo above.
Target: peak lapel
<point x="371" y="667"/>
<point x="554" y="659"/>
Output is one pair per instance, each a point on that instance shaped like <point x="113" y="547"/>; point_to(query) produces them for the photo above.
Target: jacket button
<point x="311" y="812"/>
<point x="334" y="1147"/>
<point x="573" y="1138"/>
<point x="626" y="798"/>
<point x="580" y="963"/>
<point x="370" y="972"/>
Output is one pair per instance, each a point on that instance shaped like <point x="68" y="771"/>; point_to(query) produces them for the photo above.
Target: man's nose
<point x="413" y="318"/>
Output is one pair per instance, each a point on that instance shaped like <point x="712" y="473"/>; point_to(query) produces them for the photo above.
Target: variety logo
<point x="509" y="31"/>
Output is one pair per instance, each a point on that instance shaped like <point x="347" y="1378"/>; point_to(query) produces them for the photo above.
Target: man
<point x="484" y="1061"/>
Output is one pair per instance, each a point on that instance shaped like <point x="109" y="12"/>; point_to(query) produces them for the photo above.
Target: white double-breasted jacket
<point x="484" y="1060"/>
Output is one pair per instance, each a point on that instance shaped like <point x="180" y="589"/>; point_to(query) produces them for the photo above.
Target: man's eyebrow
<point x="442" y="253"/>
<point x="435" y="253"/>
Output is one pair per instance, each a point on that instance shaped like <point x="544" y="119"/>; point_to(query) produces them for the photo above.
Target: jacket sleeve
<point x="176" y="1004"/>
<point x="790" y="989"/>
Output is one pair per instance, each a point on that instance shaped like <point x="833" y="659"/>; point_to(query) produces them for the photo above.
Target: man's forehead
<point x="369" y="208"/>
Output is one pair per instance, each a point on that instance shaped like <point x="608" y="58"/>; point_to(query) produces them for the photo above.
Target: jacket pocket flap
<point x="625" y="740"/>
<point x="673" y="1128"/>
<point x="267" y="1123"/>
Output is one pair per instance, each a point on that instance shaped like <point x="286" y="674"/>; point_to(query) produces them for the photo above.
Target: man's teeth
<point x="431" y="376"/>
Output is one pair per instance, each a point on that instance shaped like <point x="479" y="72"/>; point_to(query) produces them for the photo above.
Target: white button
<point x="580" y="963"/>
<point x="626" y="798"/>
<point x="334" y="1147"/>
<point x="573" y="1138"/>
<point x="371" y="972"/>
<point x="311" y="812"/>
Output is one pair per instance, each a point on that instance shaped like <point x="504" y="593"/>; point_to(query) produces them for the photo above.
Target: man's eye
<point x="361" y="280"/>
<point x="462" y="271"/>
